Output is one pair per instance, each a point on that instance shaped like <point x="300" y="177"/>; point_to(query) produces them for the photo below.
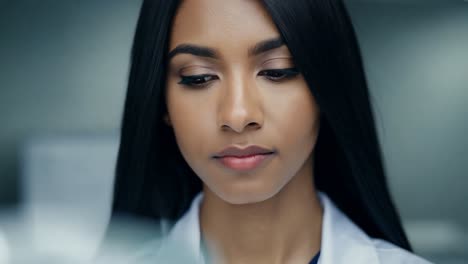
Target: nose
<point x="240" y="106"/>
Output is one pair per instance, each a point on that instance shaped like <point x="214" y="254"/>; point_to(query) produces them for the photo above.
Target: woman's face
<point x="223" y="92"/>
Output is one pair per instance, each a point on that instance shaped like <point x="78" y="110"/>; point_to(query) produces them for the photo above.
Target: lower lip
<point x="244" y="163"/>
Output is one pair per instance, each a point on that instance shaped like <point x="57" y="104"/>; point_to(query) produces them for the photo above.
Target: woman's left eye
<point x="197" y="80"/>
<point x="277" y="75"/>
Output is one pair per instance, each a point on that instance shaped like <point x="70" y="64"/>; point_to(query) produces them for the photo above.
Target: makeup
<point x="245" y="163"/>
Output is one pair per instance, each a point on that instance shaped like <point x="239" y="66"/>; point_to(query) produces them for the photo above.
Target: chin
<point x="246" y="194"/>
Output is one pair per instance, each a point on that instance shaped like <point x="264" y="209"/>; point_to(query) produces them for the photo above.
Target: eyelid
<point x="286" y="73"/>
<point x="276" y="58"/>
<point x="198" y="68"/>
<point x="184" y="78"/>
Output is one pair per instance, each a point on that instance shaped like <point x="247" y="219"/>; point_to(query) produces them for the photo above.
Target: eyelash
<point x="274" y="75"/>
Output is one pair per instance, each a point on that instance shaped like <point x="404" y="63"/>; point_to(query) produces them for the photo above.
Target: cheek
<point x="190" y="121"/>
<point x="296" y="124"/>
<point x="304" y="122"/>
<point x="295" y="115"/>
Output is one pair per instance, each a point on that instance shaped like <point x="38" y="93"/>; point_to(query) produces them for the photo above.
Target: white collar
<point x="339" y="237"/>
<point x="342" y="240"/>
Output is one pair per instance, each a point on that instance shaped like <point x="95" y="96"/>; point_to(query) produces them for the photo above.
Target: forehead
<point x="221" y="24"/>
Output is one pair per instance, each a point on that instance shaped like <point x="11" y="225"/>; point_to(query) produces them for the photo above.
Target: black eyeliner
<point x="188" y="80"/>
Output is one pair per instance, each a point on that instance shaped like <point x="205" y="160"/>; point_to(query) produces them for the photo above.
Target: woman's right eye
<point x="197" y="80"/>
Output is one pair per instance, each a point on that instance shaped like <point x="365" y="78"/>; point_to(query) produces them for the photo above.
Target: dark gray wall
<point x="416" y="58"/>
<point x="63" y="69"/>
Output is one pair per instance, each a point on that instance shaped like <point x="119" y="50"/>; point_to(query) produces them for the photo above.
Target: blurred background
<point x="63" y="72"/>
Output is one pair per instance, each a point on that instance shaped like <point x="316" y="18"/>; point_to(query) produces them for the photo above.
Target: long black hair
<point x="152" y="178"/>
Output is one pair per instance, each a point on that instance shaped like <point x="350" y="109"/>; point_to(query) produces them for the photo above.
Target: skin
<point x="271" y="214"/>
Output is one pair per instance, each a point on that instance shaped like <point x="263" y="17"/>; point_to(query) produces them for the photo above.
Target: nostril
<point x="253" y="124"/>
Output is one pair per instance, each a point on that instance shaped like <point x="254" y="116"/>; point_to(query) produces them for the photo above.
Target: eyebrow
<point x="202" y="51"/>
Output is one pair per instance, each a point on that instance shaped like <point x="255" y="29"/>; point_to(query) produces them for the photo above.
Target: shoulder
<point x="178" y="241"/>
<point x="390" y="253"/>
<point x="341" y="234"/>
<point x="135" y="241"/>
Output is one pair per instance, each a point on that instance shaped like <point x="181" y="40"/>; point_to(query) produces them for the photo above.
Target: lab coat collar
<point x="342" y="241"/>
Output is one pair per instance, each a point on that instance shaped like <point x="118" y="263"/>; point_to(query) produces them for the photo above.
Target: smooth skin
<point x="231" y="95"/>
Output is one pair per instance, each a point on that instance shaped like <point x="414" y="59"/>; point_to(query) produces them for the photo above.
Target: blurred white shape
<point x="67" y="190"/>
<point x="437" y="236"/>
<point x="4" y="249"/>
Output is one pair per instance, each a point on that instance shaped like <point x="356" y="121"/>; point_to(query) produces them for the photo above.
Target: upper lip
<point x="242" y="152"/>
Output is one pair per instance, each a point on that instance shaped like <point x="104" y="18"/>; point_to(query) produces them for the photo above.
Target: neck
<point x="285" y="228"/>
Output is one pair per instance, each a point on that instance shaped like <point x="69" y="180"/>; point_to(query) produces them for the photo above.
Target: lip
<point x="252" y="150"/>
<point x="246" y="163"/>
<point x="244" y="159"/>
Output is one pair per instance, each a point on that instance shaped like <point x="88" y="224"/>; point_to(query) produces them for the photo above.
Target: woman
<point x="248" y="134"/>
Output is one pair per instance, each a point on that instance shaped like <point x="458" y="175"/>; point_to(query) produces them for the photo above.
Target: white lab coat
<point x="343" y="242"/>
